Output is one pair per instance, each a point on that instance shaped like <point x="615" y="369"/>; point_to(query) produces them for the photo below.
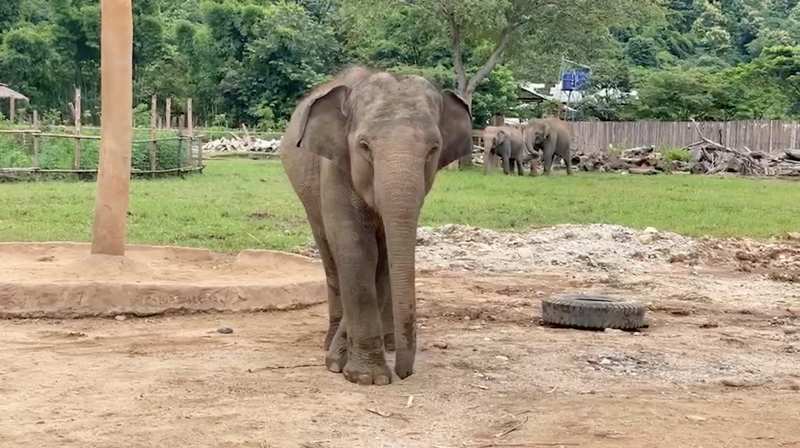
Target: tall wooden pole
<point x="116" y="134"/>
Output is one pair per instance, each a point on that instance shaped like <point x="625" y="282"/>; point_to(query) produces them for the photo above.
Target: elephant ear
<point x="323" y="126"/>
<point x="456" y="129"/>
<point x="547" y="129"/>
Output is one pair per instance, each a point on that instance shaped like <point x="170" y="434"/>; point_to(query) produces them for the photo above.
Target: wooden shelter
<point x="12" y="96"/>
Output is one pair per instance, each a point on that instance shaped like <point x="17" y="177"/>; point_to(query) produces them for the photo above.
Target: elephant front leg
<point x="549" y="155"/>
<point x="506" y="165"/>
<point x="355" y="251"/>
<point x="520" y="171"/>
<point x="384" y="290"/>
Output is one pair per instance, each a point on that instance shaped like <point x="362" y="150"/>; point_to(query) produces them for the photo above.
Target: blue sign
<point x="573" y="80"/>
<point x="568" y="81"/>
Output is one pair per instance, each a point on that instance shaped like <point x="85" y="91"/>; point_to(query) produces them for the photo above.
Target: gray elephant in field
<point x="506" y="142"/>
<point x="551" y="136"/>
<point x="362" y="152"/>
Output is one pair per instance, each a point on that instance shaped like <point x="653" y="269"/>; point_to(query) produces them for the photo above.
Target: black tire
<point x="592" y="312"/>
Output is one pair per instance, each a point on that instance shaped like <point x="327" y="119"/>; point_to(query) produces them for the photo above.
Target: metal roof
<point x="7" y="92"/>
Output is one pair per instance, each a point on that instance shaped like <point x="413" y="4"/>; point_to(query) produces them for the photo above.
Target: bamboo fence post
<point x="36" y="138"/>
<point x="76" y="111"/>
<point x="190" y="131"/>
<point x="12" y="106"/>
<point x="168" y="114"/>
<point x="180" y="141"/>
<point x="153" y="124"/>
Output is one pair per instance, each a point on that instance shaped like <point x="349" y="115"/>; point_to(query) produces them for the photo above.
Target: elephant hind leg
<point x="335" y="310"/>
<point x="384" y="290"/>
<point x="568" y="160"/>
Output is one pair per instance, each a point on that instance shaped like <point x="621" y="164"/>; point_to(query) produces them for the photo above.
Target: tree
<point x="480" y="32"/>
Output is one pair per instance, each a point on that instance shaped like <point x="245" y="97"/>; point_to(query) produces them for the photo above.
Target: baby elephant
<point x="508" y="143"/>
<point x="550" y="136"/>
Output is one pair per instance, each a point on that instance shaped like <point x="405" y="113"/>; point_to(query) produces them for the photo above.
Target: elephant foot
<point x="388" y="342"/>
<point x="336" y="354"/>
<point x="367" y="369"/>
<point x="333" y="328"/>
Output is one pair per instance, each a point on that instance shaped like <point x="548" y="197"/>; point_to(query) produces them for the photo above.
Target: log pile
<point x="639" y="160"/>
<point x="705" y="157"/>
<point x="789" y="164"/>
<point x="236" y="144"/>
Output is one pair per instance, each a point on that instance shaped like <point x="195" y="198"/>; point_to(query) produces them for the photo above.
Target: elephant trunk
<point x="399" y="197"/>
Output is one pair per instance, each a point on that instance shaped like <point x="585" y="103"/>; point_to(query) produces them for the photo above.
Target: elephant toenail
<point x="381" y="380"/>
<point x="365" y="380"/>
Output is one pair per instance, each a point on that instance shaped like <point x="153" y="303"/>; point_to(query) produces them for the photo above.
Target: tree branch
<point x="455" y="46"/>
<point x="491" y="62"/>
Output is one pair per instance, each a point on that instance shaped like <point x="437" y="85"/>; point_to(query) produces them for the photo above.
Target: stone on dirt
<point x="225" y="330"/>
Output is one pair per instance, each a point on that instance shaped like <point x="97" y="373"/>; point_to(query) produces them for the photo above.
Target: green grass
<point x="243" y="204"/>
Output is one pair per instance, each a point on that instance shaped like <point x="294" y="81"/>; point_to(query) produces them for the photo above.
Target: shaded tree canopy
<point x="249" y="61"/>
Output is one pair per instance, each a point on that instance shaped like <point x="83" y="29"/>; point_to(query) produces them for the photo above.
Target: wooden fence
<point x="758" y="135"/>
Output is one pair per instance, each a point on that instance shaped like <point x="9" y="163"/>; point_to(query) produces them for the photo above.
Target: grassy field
<point x="244" y="204"/>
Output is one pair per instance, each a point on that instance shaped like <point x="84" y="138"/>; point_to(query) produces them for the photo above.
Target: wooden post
<point x="12" y="106"/>
<point x="36" y="139"/>
<point x="180" y="141"/>
<point x="76" y="111"/>
<point x="153" y="124"/>
<point x="116" y="133"/>
<point x="168" y="114"/>
<point x="190" y="131"/>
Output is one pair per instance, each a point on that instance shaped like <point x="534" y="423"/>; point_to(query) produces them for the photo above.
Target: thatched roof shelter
<point x="12" y="96"/>
<point x="9" y="93"/>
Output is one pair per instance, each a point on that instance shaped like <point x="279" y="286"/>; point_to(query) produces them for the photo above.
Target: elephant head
<point x="495" y="142"/>
<point x="390" y="134"/>
<point x="538" y="131"/>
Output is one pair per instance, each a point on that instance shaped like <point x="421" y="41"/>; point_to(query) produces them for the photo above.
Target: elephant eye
<point x="365" y="151"/>
<point x="432" y="152"/>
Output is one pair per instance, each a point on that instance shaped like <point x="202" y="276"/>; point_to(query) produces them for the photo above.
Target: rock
<point x="793" y="236"/>
<point x="651" y="231"/>
<point x="441" y="345"/>
<point x="794" y="385"/>
<point x="733" y="382"/>
<point x="695" y="418"/>
<point x="709" y="324"/>
<point x="121" y="317"/>
<point x="790" y="330"/>
<point x="225" y="330"/>
<point x="501" y="357"/>
<point x="646" y="238"/>
<point x="613" y="331"/>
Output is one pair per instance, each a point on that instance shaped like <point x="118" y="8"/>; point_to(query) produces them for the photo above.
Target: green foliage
<point x="16" y="150"/>
<point x="250" y="61"/>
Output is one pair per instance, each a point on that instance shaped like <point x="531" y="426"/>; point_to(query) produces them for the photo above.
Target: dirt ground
<point x="60" y="280"/>
<point x="717" y="367"/>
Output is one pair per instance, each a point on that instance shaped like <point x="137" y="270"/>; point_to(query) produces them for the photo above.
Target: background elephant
<point x="361" y="152"/>
<point x="552" y="137"/>
<point x="506" y="142"/>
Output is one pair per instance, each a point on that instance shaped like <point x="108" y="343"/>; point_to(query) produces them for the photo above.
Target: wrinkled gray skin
<point x="361" y="152"/>
<point x="550" y="136"/>
<point x="506" y="142"/>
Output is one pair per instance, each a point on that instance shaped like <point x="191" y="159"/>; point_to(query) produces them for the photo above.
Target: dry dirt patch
<point x="488" y="373"/>
<point x="60" y="280"/>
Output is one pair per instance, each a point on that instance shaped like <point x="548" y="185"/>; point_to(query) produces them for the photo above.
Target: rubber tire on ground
<point x="592" y="312"/>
